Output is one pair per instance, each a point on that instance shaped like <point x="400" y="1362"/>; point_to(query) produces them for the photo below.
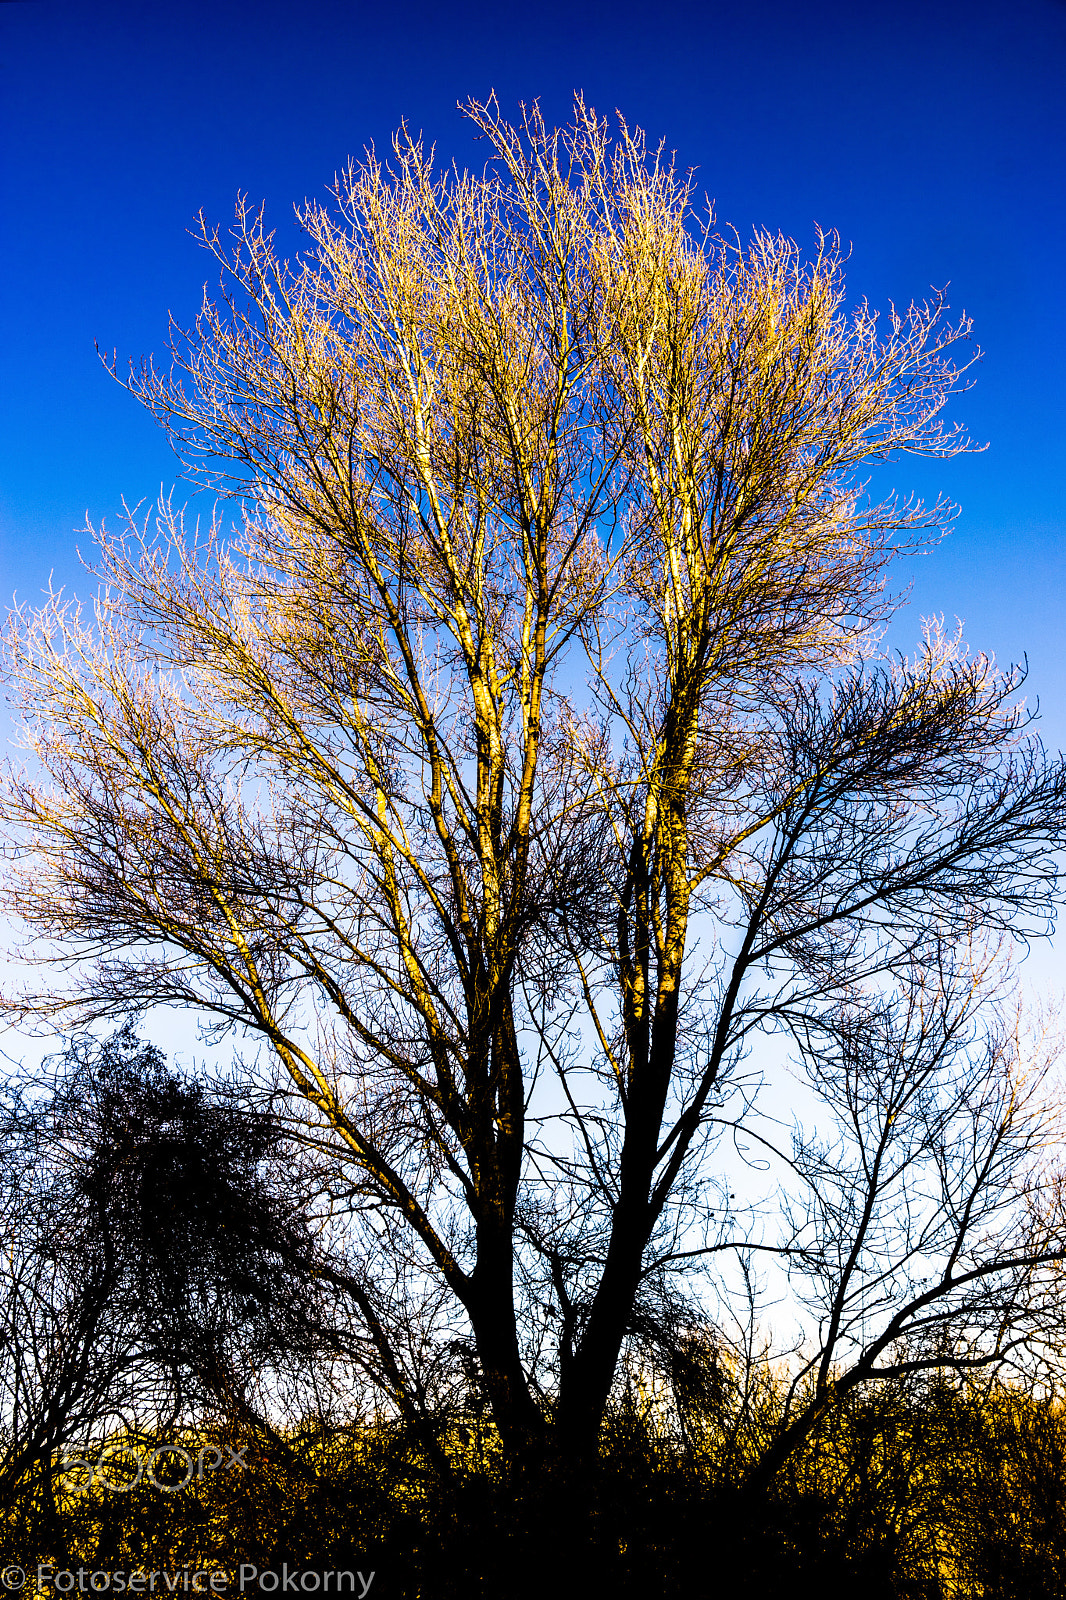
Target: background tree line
<point x="170" y="1295"/>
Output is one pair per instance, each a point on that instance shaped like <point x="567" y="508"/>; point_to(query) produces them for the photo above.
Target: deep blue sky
<point x="930" y="135"/>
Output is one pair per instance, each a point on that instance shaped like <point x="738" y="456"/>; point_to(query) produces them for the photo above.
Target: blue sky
<point x="930" y="135"/>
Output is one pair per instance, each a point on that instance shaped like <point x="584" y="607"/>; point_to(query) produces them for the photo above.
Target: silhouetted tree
<point x="549" y="641"/>
<point x="160" y="1260"/>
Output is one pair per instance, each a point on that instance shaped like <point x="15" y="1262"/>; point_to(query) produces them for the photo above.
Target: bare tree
<point x="159" y="1263"/>
<point x="927" y="1230"/>
<point x="868" y="825"/>
<point x="77" y="1354"/>
<point x="61" y="1366"/>
<point x="546" y="645"/>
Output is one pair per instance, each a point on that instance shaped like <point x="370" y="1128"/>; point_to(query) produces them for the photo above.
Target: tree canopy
<point x="526" y="754"/>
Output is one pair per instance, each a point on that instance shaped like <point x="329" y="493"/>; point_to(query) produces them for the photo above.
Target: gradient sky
<point x="930" y="135"/>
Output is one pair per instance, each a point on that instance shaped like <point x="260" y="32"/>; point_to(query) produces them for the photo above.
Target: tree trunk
<point x="583" y="1398"/>
<point x="586" y="1388"/>
<point x="781" y="1450"/>
<point x="492" y="1316"/>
